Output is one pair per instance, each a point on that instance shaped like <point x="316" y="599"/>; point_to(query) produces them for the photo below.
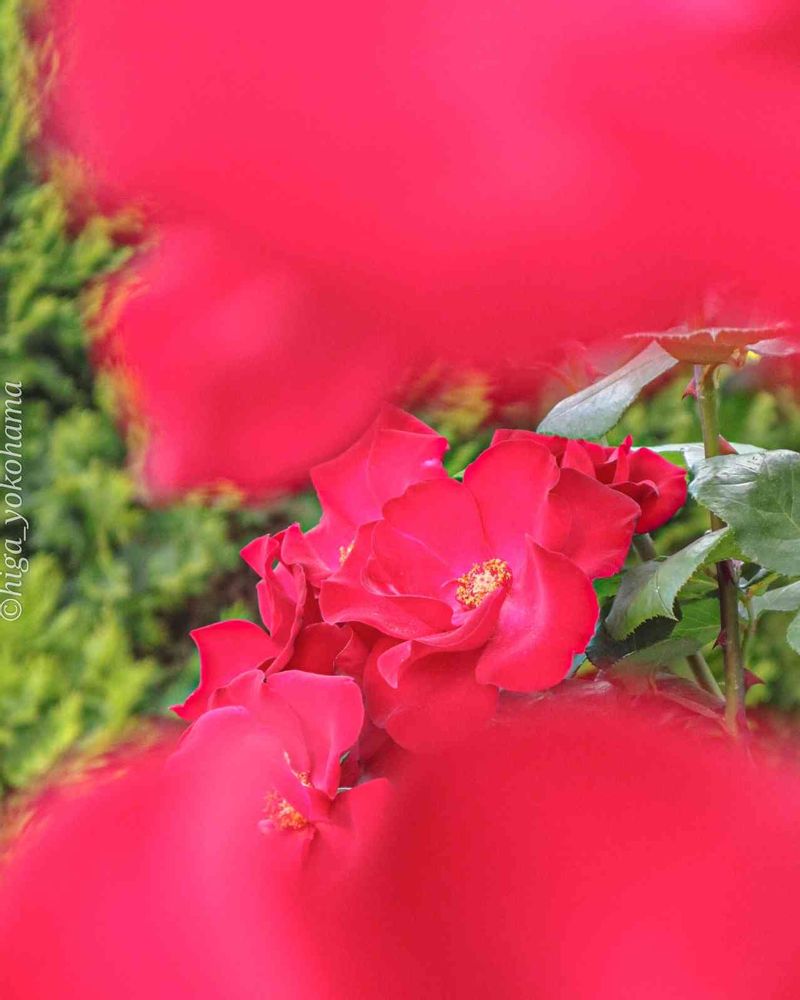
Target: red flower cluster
<point x="437" y="593"/>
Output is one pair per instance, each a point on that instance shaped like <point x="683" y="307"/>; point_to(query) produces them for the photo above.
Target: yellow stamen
<point x="283" y="815"/>
<point x="483" y="579"/>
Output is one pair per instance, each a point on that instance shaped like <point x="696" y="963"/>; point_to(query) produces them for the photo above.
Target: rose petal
<point x="511" y="483"/>
<point x="438" y="700"/>
<point x="349" y="595"/>
<point x="670" y="483"/>
<point x="396" y="451"/>
<point x="226" y="650"/>
<point x="261" y="553"/>
<point x="548" y="616"/>
<point x="475" y="629"/>
<point x="600" y="524"/>
<point x="443" y="516"/>
<point x="317" y="647"/>
<point x="331" y="712"/>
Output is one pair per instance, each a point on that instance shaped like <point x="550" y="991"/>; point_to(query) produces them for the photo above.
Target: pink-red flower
<point x="658" y="486"/>
<point x="583" y="846"/>
<point x="296" y="728"/>
<point x="194" y="873"/>
<point x="466" y="171"/>
<point x="481" y="584"/>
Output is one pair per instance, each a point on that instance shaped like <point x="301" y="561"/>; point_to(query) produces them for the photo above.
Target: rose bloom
<point x="479" y="585"/>
<point x="297" y="727"/>
<point x="658" y="486"/>
<point x="395" y="451"/>
<point x="295" y="634"/>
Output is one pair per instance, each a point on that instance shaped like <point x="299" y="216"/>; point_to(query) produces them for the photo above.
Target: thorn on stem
<point x="751" y="679"/>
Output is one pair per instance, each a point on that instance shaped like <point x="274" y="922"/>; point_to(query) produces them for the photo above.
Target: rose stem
<point x="701" y="671"/>
<point x="726" y="581"/>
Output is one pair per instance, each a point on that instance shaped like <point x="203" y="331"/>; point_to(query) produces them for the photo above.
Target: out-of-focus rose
<point x="242" y="371"/>
<point x="420" y="181"/>
<point x="186" y="874"/>
<point x="588" y="845"/>
<point x="496" y="568"/>
<point x="658" y="486"/>
<point x="496" y="178"/>
<point x="591" y="846"/>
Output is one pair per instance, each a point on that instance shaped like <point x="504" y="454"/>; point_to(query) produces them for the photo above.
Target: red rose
<point x="496" y="569"/>
<point x="658" y="486"/>
<point x="396" y="451"/>
<point x="296" y="727"/>
<point x="589" y="846"/>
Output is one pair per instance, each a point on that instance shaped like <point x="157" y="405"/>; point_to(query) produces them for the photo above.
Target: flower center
<point x="483" y="579"/>
<point x="282" y="815"/>
<point x="345" y="550"/>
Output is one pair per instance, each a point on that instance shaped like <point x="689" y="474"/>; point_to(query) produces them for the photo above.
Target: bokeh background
<point x="116" y="584"/>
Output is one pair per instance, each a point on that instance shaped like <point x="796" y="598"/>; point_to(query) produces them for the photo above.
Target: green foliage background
<point x="115" y="586"/>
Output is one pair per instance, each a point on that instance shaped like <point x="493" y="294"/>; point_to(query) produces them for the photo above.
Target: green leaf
<point x="699" y="621"/>
<point x="596" y="409"/>
<point x="793" y="634"/>
<point x="604" y="649"/>
<point x="692" y="453"/>
<point x="759" y="497"/>
<point x="699" y="625"/>
<point x="781" y="599"/>
<point x="658" y="640"/>
<point x="649" y="591"/>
